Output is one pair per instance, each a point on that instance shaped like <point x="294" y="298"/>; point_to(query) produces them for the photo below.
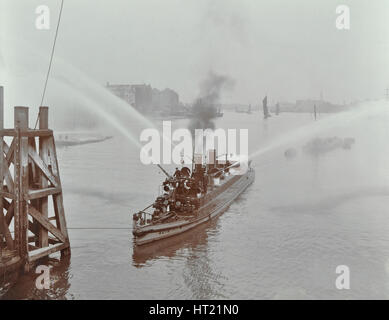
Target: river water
<point x="282" y="238"/>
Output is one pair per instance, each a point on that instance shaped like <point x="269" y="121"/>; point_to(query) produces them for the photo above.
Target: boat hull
<point x="212" y="209"/>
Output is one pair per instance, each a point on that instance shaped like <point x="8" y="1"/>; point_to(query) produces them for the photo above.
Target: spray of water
<point x="325" y="124"/>
<point x="67" y="81"/>
<point x="90" y="104"/>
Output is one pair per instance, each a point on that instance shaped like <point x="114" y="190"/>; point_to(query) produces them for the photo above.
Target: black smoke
<point x="205" y="107"/>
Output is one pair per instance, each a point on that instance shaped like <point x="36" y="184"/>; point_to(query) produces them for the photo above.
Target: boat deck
<point x="207" y="201"/>
<point x="213" y="204"/>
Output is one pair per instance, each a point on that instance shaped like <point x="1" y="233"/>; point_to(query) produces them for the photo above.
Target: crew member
<point x="177" y="173"/>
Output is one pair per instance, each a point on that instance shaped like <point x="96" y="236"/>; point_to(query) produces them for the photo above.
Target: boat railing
<point x="142" y="219"/>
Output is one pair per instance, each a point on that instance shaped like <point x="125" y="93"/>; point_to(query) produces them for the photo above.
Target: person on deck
<point x="177" y="173"/>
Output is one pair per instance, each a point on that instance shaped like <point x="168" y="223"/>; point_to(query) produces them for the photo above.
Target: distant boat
<point x="314" y="111"/>
<point x="66" y="141"/>
<point x="219" y="113"/>
<point x="266" y="113"/>
<point x="239" y="110"/>
<point x="177" y="113"/>
<point x="215" y="110"/>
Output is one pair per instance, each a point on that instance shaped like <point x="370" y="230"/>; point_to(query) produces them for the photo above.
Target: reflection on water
<point x="193" y="245"/>
<point x="170" y="247"/>
<point x="59" y="276"/>
<point x="282" y="238"/>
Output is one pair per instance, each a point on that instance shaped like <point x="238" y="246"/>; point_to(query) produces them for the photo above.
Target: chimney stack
<point x="198" y="160"/>
<point x="211" y="159"/>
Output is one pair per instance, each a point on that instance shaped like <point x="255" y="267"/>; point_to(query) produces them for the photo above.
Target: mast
<point x="314" y="111"/>
<point x="266" y="113"/>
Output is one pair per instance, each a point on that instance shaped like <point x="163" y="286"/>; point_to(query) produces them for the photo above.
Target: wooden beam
<point x="57" y="199"/>
<point x="1" y="107"/>
<point x="16" y="195"/>
<point x="42" y="166"/>
<point x="37" y="133"/>
<point x="10" y="213"/>
<point x="33" y="226"/>
<point x="32" y="247"/>
<point x="21" y="124"/>
<point x="5" y="147"/>
<point x="8" y="133"/>
<point x="7" y="194"/>
<point x="7" y="176"/>
<point x="46" y="223"/>
<point x="43" y="183"/>
<point x="6" y="204"/>
<point x="40" y="193"/>
<point x="5" y="231"/>
<point x="31" y="239"/>
<point x="26" y="133"/>
<point x="3" y="227"/>
<point x="53" y="240"/>
<point x="9" y="151"/>
<point x="33" y="169"/>
<point x="44" y="252"/>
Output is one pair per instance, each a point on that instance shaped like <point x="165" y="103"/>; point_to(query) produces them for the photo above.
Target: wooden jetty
<point x="30" y="228"/>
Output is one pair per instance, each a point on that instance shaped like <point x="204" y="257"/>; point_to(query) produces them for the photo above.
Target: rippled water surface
<point x="282" y="238"/>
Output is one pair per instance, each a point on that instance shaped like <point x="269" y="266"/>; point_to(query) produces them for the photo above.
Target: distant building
<point x="143" y="97"/>
<point x="140" y="96"/>
<point x="166" y="99"/>
<point x="156" y="98"/>
<point x="123" y="91"/>
<point x="147" y="99"/>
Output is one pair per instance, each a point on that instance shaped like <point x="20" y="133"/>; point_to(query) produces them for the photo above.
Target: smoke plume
<point x="205" y="108"/>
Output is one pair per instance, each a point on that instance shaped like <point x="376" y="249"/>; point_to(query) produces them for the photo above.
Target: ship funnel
<point x="211" y="159"/>
<point x="198" y="161"/>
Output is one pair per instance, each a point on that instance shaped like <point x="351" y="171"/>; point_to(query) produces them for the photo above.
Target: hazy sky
<point x="288" y="49"/>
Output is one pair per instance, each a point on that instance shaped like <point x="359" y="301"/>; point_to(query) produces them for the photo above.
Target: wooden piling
<point x="2" y="223"/>
<point x="21" y="159"/>
<point x="25" y="194"/>
<point x="43" y="183"/>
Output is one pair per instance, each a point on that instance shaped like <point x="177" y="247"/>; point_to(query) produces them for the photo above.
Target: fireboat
<point x="189" y="198"/>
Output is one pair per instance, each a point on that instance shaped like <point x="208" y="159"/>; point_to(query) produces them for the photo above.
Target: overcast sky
<point x="288" y="49"/>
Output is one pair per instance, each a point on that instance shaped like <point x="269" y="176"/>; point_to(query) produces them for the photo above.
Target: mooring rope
<point x="51" y="61"/>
